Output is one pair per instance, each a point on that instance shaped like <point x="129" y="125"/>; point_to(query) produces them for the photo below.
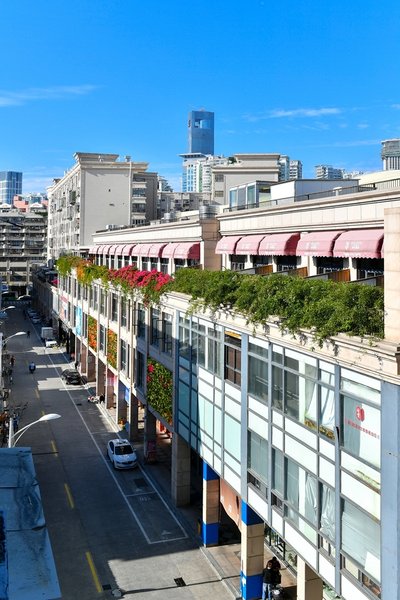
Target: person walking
<point x="12" y="361"/>
<point x="28" y="334"/>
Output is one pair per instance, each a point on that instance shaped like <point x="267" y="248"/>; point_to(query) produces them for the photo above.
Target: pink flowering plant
<point x="159" y="389"/>
<point x="150" y="284"/>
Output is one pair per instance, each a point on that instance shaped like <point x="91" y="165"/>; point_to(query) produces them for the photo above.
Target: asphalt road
<point x="112" y="532"/>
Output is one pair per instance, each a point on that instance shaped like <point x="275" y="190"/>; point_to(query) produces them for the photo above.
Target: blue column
<point x="252" y="551"/>
<point x="210" y="524"/>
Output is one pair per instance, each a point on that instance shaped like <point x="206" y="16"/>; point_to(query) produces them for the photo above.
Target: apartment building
<point x="98" y="192"/>
<point x="299" y="440"/>
<point x="23" y="246"/>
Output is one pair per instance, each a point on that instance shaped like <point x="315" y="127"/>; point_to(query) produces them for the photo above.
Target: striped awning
<point x="129" y="250"/>
<point x="111" y="249"/>
<point x="143" y="249"/>
<point x="119" y="249"/>
<point x="169" y="250"/>
<point x="156" y="250"/>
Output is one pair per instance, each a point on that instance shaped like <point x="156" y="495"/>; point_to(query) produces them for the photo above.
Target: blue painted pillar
<point x="210" y="525"/>
<point x="252" y="553"/>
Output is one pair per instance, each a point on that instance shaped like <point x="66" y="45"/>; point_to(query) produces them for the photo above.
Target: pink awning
<point x="156" y="249"/>
<point x="119" y="250"/>
<point x="129" y="249"/>
<point x="189" y="250"/>
<point x="227" y="244"/>
<point x="359" y="243"/>
<point x="169" y="250"/>
<point x="92" y="250"/>
<point x="249" y="244"/>
<point x="317" y="243"/>
<point x="111" y="250"/>
<point x="99" y="249"/>
<point x="279" y="244"/>
<point x="143" y="249"/>
<point x="104" y="249"/>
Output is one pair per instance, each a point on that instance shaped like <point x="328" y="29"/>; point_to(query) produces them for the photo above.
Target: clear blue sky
<point x="316" y="80"/>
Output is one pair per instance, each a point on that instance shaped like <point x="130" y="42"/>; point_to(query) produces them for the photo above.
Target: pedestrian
<point x="76" y="363"/>
<point x="28" y="334"/>
<point x="271" y="577"/>
<point x="101" y="398"/>
<point x="12" y="361"/>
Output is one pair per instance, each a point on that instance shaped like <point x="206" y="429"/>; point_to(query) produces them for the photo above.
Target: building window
<point x="286" y="263"/>
<point x="258" y="372"/>
<point x="184" y="339"/>
<point x="257" y="460"/>
<point x="140" y="370"/>
<point x="102" y="339"/>
<point x="103" y="302"/>
<point x="154" y="330"/>
<point x="237" y="262"/>
<point x="164" y="265"/>
<point x="114" y="307"/>
<point x="124" y="312"/>
<point x="300" y="495"/>
<point x="361" y="540"/>
<point x="124" y="353"/>
<point x="233" y="359"/>
<point x="361" y="422"/>
<point x="166" y="335"/>
<point x="141" y="322"/>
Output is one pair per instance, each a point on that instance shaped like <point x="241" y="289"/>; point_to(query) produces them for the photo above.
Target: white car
<point x="51" y="343"/>
<point x="121" y="454"/>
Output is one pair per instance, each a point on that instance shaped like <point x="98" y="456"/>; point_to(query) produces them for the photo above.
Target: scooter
<point x="278" y="592"/>
<point x="32" y="368"/>
<point x="92" y="399"/>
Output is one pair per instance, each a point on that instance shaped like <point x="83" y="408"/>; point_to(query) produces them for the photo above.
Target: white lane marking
<point x="184" y="536"/>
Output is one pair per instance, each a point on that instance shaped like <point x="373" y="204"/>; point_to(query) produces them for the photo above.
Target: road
<point x="112" y="532"/>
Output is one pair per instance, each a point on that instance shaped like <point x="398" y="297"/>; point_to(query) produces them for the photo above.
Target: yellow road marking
<point x="94" y="572"/>
<point x="69" y="495"/>
<point x="53" y="445"/>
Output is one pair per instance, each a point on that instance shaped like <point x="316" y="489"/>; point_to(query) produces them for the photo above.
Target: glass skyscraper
<point x="201" y="132"/>
<point x="10" y="185"/>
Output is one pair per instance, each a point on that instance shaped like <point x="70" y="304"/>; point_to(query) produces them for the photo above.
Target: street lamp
<point x="10" y="336"/>
<point x="14" y="438"/>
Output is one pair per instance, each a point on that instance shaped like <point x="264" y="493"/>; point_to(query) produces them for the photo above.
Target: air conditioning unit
<point x="111" y="227"/>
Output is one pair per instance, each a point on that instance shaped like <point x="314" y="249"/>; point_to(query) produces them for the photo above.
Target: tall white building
<point x="197" y="171"/>
<point x="295" y="169"/>
<point x="390" y="154"/>
<point x="99" y="192"/>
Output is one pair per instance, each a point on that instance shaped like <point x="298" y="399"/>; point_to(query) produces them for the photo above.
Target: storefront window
<point x="257" y="456"/>
<point x="361" y="539"/>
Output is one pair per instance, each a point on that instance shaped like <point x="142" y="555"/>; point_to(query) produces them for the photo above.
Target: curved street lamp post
<point x="13" y="438"/>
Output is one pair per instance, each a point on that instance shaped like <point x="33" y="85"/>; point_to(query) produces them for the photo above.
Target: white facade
<point x="98" y="192"/>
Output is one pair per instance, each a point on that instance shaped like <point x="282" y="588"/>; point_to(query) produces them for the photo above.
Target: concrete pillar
<point x="392" y="272"/>
<point x="309" y="585"/>
<point x="134" y="418"/>
<point x="180" y="471"/>
<point x="210" y="524"/>
<point x="91" y="366"/>
<point x="252" y="553"/>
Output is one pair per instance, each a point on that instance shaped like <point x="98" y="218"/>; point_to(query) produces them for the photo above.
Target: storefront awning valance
<point x="111" y="250"/>
<point x="279" y="244"/>
<point x="359" y="243"/>
<point x="99" y="249"/>
<point x="143" y="249"/>
<point x="249" y="244"/>
<point x="92" y="250"/>
<point x="169" y="250"/>
<point x="105" y="249"/>
<point x="156" y="250"/>
<point x="129" y="250"/>
<point x="227" y="244"/>
<point x="188" y="250"/>
<point x="119" y="249"/>
<point x="317" y="243"/>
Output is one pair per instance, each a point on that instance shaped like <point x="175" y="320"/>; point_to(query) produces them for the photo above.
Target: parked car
<point x="121" y="454"/>
<point x="51" y="343"/>
<point x="25" y="297"/>
<point x="72" y="376"/>
<point x="36" y="320"/>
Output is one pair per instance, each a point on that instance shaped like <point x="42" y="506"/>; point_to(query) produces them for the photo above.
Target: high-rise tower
<point x="201" y="132"/>
<point x="10" y="186"/>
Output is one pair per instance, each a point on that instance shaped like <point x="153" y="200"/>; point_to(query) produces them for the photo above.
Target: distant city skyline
<point x="306" y="88"/>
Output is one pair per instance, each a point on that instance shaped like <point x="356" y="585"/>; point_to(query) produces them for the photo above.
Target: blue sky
<point x="316" y="80"/>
